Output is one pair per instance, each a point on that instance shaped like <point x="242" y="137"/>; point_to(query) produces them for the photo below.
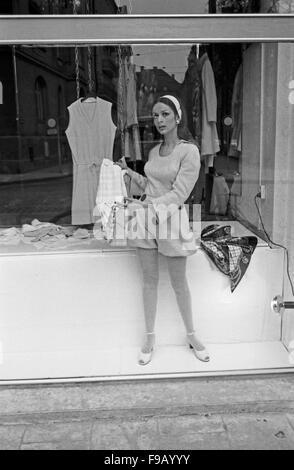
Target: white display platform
<point x="80" y="314"/>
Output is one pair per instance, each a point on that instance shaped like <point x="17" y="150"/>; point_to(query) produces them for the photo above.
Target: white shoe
<point x="201" y="354"/>
<point x="145" y="358"/>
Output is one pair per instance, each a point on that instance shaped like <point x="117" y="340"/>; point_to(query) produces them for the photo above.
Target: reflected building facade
<point x="38" y="83"/>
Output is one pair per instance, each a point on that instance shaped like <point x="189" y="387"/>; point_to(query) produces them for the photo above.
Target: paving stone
<point x="57" y="432"/>
<point x="108" y="435"/>
<point x="199" y="441"/>
<point x="190" y="424"/>
<point x="11" y="437"/>
<point x="290" y="417"/>
<point x="142" y="433"/>
<point x="259" y="432"/>
<point x="56" y="446"/>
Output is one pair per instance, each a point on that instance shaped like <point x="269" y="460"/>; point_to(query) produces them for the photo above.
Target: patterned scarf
<point x="231" y="255"/>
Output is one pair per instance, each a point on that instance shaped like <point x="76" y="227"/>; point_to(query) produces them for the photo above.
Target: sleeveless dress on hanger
<point x="90" y="134"/>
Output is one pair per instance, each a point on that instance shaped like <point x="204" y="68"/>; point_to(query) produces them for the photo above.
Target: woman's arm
<point x="140" y="180"/>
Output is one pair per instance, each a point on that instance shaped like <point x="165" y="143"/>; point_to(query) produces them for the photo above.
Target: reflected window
<point x="41" y="98"/>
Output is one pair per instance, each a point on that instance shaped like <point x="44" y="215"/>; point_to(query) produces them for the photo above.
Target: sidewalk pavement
<point x="44" y="173"/>
<point x="242" y="431"/>
<point x="213" y="413"/>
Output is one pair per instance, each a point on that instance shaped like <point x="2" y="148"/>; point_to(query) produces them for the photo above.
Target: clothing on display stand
<point x="209" y="137"/>
<point x="44" y="236"/>
<point x="127" y="113"/>
<point x="90" y="134"/>
<point x="220" y="196"/>
<point x="237" y="110"/>
<point x="191" y="96"/>
<point x="199" y="83"/>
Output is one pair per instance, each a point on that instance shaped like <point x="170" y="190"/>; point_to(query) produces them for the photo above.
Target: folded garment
<point x="9" y="232"/>
<point x="231" y="255"/>
<point x="10" y="236"/>
<point x="36" y="225"/>
<point x="81" y="234"/>
<point x="42" y="232"/>
<point x="67" y="231"/>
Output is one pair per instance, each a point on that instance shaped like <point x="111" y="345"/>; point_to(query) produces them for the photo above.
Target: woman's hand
<point x="136" y="204"/>
<point x="122" y="163"/>
<point x="145" y="203"/>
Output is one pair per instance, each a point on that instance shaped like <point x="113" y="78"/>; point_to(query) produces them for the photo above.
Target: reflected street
<point x="48" y="200"/>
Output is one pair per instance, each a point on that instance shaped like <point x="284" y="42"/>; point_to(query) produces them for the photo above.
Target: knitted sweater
<point x="170" y="180"/>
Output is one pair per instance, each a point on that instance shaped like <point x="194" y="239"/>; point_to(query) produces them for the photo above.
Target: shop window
<point x="260" y="142"/>
<point x="154" y="71"/>
<point x="129" y="84"/>
<point x="41" y="98"/>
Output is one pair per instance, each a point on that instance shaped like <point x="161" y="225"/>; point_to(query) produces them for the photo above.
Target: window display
<point x="72" y="115"/>
<point x="96" y="103"/>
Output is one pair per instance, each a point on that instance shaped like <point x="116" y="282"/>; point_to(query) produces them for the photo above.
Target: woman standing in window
<point x="171" y="173"/>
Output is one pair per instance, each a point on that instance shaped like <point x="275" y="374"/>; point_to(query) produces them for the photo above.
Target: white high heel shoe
<point x="145" y="358"/>
<point x="201" y="354"/>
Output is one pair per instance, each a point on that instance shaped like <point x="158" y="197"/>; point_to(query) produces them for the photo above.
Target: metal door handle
<point x="278" y="305"/>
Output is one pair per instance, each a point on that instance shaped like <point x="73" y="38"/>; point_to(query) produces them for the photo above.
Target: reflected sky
<point x="167" y="6"/>
<point x="172" y="59"/>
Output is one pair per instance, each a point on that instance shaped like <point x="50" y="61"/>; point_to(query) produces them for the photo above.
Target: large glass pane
<point x="63" y="111"/>
<point x="40" y="83"/>
<point x="66" y="114"/>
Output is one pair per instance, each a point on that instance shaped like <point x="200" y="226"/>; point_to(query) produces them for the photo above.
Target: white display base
<point x="122" y="362"/>
<point x="81" y="315"/>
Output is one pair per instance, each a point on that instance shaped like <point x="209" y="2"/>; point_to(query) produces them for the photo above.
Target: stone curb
<point x="80" y="416"/>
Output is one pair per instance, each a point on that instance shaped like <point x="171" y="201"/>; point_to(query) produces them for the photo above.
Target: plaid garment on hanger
<point x="110" y="197"/>
<point x="231" y="255"/>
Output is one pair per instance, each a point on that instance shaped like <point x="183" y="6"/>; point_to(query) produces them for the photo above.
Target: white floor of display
<point x="70" y="315"/>
<point x="122" y="362"/>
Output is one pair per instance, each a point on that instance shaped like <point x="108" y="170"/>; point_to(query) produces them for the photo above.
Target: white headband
<point x="174" y="100"/>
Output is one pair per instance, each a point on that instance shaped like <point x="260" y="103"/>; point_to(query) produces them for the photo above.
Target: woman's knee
<point x="180" y="286"/>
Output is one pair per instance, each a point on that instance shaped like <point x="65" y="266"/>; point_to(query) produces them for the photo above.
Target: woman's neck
<point x="171" y="140"/>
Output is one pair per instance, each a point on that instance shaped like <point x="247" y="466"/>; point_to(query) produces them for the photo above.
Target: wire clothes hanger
<point x="77" y="59"/>
<point x="91" y="93"/>
<point x="120" y="94"/>
<point x="91" y="89"/>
